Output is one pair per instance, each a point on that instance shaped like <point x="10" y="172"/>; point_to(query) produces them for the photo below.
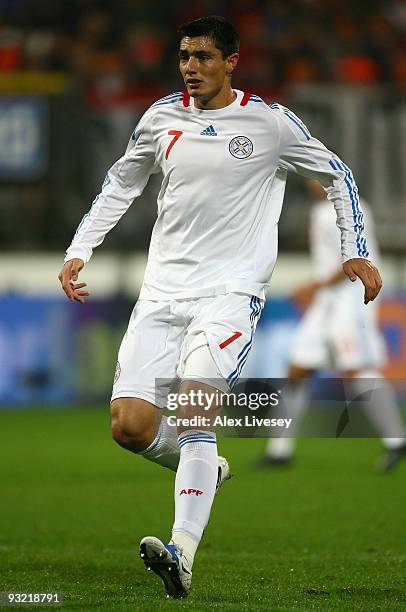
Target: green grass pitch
<point x="326" y="534"/>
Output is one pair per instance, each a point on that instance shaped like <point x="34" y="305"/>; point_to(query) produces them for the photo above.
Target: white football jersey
<point x="325" y="239"/>
<point x="224" y="174"/>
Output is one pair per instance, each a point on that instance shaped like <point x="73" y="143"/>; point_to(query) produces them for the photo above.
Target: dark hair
<point x="222" y="32"/>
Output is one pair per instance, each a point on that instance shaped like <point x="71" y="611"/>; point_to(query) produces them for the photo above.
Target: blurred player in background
<point x="224" y="155"/>
<point x="338" y="332"/>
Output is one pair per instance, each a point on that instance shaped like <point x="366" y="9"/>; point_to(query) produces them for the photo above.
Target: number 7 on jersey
<point x="176" y="135"/>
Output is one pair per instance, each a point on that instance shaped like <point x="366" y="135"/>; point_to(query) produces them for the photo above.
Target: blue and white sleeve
<point x="124" y="182"/>
<point x="307" y="156"/>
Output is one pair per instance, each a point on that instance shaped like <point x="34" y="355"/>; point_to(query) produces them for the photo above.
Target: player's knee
<point x="131" y="426"/>
<point x="121" y="434"/>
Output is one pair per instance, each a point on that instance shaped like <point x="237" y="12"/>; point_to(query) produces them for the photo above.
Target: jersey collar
<point x="240" y="100"/>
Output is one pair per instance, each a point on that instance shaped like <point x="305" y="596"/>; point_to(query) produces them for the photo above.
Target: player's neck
<point x="223" y="98"/>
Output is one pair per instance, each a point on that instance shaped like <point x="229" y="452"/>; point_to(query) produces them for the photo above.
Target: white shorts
<point x="199" y="339"/>
<point x="338" y="331"/>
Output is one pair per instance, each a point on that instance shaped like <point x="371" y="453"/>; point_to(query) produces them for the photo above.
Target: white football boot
<point x="168" y="562"/>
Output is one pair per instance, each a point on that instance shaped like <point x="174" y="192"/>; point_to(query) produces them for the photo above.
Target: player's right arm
<point x="124" y="182"/>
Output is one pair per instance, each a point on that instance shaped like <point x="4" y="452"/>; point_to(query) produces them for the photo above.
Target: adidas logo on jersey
<point x="209" y="131"/>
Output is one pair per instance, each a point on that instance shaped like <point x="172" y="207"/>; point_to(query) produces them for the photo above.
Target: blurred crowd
<point x="121" y="48"/>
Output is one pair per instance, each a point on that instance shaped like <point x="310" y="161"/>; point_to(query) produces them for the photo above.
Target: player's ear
<point x="232" y="62"/>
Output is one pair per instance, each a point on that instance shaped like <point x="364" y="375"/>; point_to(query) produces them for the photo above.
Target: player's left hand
<point x="368" y="273"/>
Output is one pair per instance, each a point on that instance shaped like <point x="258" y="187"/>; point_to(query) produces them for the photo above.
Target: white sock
<point x="165" y="448"/>
<point x="187" y="544"/>
<point x="195" y="486"/>
<point x="382" y="408"/>
<point x="295" y="400"/>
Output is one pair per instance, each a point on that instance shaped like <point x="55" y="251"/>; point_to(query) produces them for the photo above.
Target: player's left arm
<point x="307" y="156"/>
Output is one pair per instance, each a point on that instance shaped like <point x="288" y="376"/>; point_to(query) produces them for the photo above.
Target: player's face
<point x="205" y="72"/>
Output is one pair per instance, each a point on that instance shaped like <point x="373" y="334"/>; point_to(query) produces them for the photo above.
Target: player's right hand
<point x="67" y="276"/>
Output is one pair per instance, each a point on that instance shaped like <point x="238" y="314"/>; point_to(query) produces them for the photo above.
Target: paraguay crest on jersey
<point x="241" y="147"/>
